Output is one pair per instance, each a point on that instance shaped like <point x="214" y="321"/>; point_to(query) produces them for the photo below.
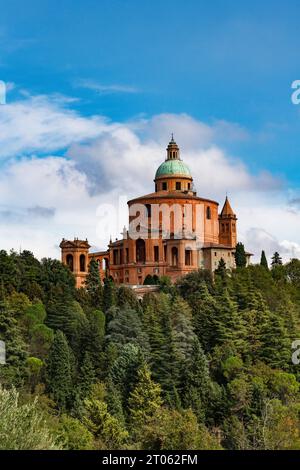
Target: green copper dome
<point x="173" y="167"/>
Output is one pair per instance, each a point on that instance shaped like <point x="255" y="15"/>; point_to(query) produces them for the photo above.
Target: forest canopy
<point x="202" y="364"/>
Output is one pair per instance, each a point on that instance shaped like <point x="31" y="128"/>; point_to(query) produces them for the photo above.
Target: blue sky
<point x="216" y="62"/>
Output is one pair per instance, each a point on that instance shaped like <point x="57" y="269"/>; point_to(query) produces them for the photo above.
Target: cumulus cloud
<point x="45" y="197"/>
<point x="44" y="124"/>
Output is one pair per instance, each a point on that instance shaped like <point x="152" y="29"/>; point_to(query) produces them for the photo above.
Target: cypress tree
<point x="109" y="294"/>
<point x="59" y="371"/>
<point x="93" y="285"/>
<point x="240" y="256"/>
<point x="263" y="260"/>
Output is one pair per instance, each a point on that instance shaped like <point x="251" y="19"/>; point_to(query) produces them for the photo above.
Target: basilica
<point x="171" y="232"/>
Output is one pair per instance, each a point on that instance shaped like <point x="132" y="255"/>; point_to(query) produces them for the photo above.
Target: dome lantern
<point x="173" y="173"/>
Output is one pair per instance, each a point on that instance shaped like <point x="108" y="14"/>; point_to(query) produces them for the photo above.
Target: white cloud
<point x="45" y="199"/>
<point x="44" y="124"/>
<point x="105" y="89"/>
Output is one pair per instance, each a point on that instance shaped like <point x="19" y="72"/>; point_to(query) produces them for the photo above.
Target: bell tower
<point x="74" y="254"/>
<point x="227" y="226"/>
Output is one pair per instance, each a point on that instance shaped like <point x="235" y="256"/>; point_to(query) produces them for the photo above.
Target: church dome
<point x="173" y="167"/>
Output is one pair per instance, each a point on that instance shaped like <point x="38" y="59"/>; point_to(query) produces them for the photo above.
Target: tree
<point x="205" y="313"/>
<point x="22" y="426"/>
<point x="123" y="374"/>
<point x="144" y="400"/>
<point x="157" y="325"/>
<point x="58" y="371"/>
<point x="108" y="432"/>
<point x="276" y="259"/>
<point x="221" y="269"/>
<point x="93" y="285"/>
<point x="276" y="348"/>
<point x="94" y="339"/>
<point x="124" y="325"/>
<point x="109" y="294"/>
<point x="182" y="337"/>
<point x="127" y="297"/>
<point x="174" y="430"/>
<point x="240" y="256"/>
<point x="16" y="352"/>
<point x="86" y="376"/>
<point x="197" y="382"/>
<point x="71" y="434"/>
<point x="263" y="260"/>
<point x="148" y="280"/>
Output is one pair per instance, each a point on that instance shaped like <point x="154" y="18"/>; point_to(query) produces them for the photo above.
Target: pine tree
<point x="182" y="335"/>
<point x="240" y="256"/>
<point x="144" y="400"/>
<point x="275" y="348"/>
<point x="59" y="371"/>
<point x="228" y="323"/>
<point x="205" y="312"/>
<point x="123" y="374"/>
<point x="86" y="376"/>
<point x="157" y="324"/>
<point x="93" y="285"/>
<point x="94" y="339"/>
<point x="127" y="297"/>
<point x="276" y="259"/>
<point x="221" y="269"/>
<point x="263" y="260"/>
<point x="197" y="385"/>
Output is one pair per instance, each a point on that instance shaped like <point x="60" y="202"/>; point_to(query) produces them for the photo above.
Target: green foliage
<point x="202" y="364"/>
<point x="263" y="260"/>
<point x="93" y="285"/>
<point x="276" y="259"/>
<point x="197" y="382"/>
<point x="171" y="429"/>
<point x="16" y="353"/>
<point x="123" y="373"/>
<point x="109" y="294"/>
<point x="71" y="434"/>
<point x="108" y="432"/>
<point x="240" y="256"/>
<point x="144" y="400"/>
<point x="22" y="426"/>
<point x="58" y="371"/>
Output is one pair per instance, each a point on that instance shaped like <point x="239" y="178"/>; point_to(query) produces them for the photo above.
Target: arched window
<point x="208" y="213"/>
<point x="82" y="263"/>
<point x="174" y="256"/>
<point x="70" y="262"/>
<point x="140" y="251"/>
